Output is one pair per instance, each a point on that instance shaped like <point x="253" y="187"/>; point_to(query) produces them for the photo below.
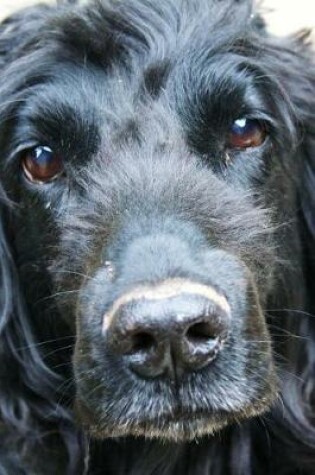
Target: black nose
<point x="168" y="329"/>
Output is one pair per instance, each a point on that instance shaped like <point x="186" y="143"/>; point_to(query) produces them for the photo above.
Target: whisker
<point x="43" y="343"/>
<point x="71" y="272"/>
<point x="57" y="294"/>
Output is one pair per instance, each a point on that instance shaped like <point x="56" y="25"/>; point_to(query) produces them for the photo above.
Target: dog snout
<point x="169" y="329"/>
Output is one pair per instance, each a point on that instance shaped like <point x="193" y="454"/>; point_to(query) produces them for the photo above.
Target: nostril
<point x="200" y="332"/>
<point x="142" y="342"/>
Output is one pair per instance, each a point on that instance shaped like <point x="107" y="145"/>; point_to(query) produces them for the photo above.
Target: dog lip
<point x="176" y="414"/>
<point x="177" y="426"/>
<point x="166" y="290"/>
<point x="171" y="417"/>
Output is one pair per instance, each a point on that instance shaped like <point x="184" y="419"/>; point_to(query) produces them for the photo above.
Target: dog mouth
<point x="178" y="424"/>
<point x="176" y="427"/>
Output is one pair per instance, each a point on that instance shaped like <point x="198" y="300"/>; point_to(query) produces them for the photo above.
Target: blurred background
<point x="283" y="16"/>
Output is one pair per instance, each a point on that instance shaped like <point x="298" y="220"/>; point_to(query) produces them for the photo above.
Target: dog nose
<point x="168" y="330"/>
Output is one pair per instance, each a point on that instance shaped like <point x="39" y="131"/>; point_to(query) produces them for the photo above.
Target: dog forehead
<point x="108" y="32"/>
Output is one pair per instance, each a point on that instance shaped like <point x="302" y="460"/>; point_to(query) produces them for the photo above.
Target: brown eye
<point x="41" y="165"/>
<point x="246" y="133"/>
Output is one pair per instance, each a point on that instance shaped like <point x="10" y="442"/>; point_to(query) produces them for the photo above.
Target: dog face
<point x="146" y="150"/>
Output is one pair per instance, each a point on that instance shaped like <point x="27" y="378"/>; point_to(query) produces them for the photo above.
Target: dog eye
<point x="41" y="165"/>
<point x="246" y="133"/>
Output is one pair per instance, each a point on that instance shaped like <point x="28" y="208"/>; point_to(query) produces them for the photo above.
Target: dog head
<point x="154" y="156"/>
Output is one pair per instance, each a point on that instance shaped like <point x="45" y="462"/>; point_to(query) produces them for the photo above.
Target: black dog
<point x="157" y="242"/>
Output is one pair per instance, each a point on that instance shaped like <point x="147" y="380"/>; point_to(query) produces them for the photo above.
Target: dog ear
<point x="289" y="62"/>
<point x="294" y="65"/>
<point x="14" y="331"/>
<point x="297" y="72"/>
<point x="28" y="387"/>
<point x="29" y="397"/>
<point x="307" y="108"/>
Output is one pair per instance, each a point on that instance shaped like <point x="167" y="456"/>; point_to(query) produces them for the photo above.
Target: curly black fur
<point x="137" y="97"/>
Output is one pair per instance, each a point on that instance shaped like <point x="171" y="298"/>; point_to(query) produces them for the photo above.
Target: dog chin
<point x="179" y="428"/>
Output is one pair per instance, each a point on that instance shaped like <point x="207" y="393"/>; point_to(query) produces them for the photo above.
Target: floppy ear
<point x="29" y="401"/>
<point x="294" y="64"/>
<point x="291" y="63"/>
<point x="307" y="199"/>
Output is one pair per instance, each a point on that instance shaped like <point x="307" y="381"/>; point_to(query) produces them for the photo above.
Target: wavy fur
<point x="37" y="386"/>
